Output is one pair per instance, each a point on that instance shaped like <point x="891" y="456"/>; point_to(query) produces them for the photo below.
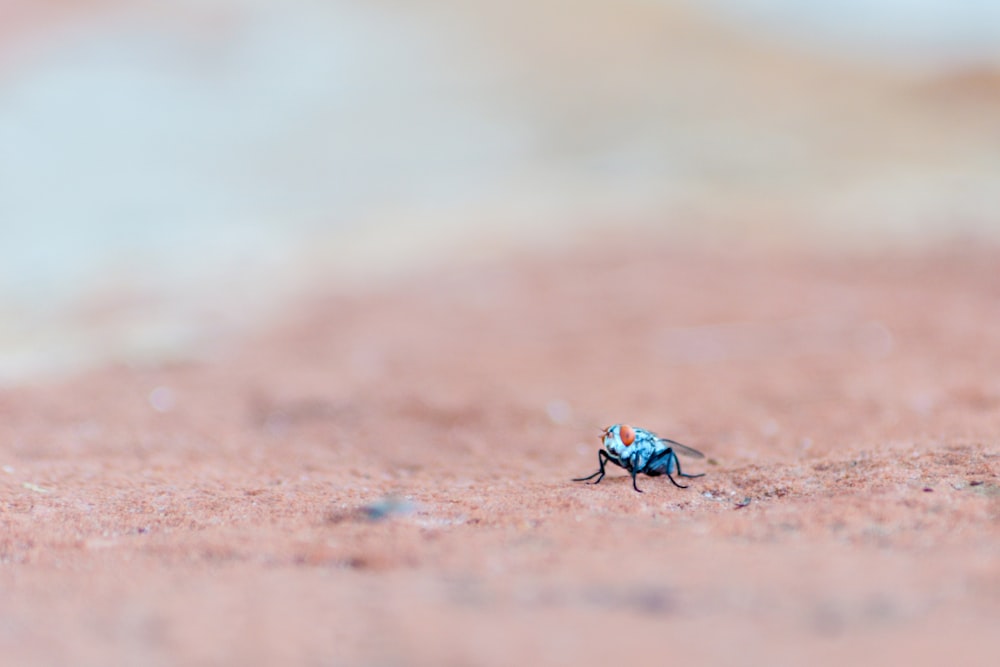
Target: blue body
<point x="640" y="451"/>
<point x="649" y="454"/>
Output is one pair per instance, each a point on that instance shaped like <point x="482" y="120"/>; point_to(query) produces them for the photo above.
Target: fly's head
<point x="618" y="440"/>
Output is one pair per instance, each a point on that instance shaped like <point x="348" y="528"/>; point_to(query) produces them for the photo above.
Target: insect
<point x="641" y="451"/>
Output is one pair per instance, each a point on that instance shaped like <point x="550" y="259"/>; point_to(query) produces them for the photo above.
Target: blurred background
<point x="173" y="172"/>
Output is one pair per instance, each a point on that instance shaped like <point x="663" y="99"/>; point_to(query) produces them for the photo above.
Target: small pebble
<point x="386" y="507"/>
<point x="559" y="411"/>
<point x="161" y="399"/>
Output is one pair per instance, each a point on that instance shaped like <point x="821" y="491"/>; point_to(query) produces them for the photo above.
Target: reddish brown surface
<point x="854" y="402"/>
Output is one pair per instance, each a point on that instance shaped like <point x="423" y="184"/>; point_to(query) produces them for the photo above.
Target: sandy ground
<point x="383" y="477"/>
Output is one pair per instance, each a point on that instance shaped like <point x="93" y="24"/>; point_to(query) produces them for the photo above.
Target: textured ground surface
<point x="383" y="477"/>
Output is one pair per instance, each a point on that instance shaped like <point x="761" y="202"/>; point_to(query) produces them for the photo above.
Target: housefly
<point x="641" y="451"/>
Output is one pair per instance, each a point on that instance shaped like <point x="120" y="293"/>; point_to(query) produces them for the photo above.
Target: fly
<point x="641" y="451"/>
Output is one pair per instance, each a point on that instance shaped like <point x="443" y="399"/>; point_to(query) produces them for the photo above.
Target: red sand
<point x="853" y="401"/>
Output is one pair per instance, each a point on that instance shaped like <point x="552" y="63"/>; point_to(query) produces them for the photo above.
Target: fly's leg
<point x="681" y="474"/>
<point x="679" y="486"/>
<point x="602" y="456"/>
<point x="633" y="481"/>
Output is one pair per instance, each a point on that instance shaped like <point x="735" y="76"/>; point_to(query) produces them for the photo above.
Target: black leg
<point x="671" y="478"/>
<point x="681" y="474"/>
<point x="633" y="482"/>
<point x="602" y="456"/>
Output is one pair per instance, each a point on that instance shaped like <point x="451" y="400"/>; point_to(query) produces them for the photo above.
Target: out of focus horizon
<point x="170" y="172"/>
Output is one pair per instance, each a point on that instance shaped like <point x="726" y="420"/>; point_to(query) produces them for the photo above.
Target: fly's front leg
<point x="602" y="456"/>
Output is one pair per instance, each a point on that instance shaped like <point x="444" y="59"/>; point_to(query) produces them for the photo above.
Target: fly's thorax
<point x="642" y="452"/>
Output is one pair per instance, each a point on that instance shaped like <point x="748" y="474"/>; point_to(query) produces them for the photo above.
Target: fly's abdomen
<point x="662" y="464"/>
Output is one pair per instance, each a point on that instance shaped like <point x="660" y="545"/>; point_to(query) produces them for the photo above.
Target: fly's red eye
<point x="627" y="434"/>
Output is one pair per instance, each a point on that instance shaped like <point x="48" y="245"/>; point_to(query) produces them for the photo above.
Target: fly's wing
<point x="682" y="449"/>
